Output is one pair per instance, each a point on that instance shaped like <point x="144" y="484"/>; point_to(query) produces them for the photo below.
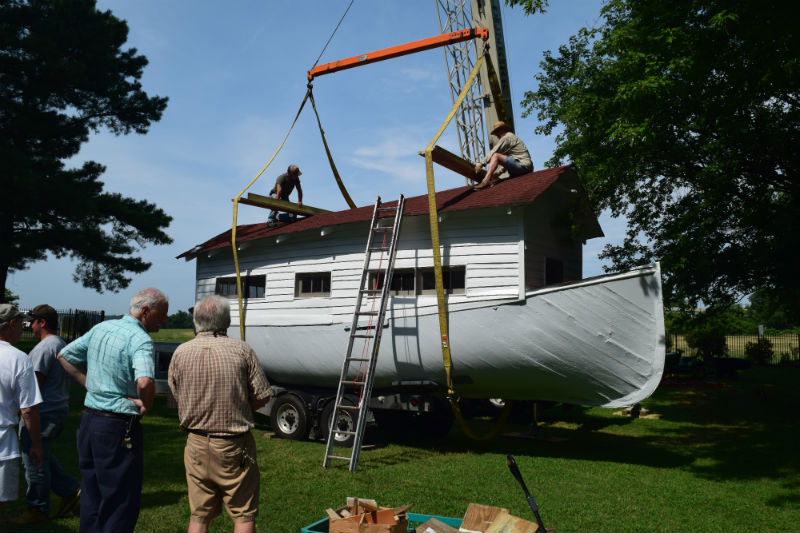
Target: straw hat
<point x="500" y="125"/>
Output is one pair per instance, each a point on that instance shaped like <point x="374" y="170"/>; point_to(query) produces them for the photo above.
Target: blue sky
<point x="235" y="74"/>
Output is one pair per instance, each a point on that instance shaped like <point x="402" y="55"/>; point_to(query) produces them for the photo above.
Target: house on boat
<point x="524" y="233"/>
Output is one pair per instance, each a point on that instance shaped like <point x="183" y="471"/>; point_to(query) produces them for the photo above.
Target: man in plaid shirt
<point x="218" y="383"/>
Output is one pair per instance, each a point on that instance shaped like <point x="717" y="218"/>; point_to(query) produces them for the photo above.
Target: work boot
<point x="68" y="504"/>
<point x="32" y="515"/>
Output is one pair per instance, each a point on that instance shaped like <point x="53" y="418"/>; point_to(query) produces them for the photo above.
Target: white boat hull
<point x="599" y="341"/>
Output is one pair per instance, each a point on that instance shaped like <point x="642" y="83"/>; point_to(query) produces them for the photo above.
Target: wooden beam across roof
<point x="280" y="205"/>
<point x="457" y="164"/>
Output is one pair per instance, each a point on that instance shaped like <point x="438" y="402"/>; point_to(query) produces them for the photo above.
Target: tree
<point x="63" y="75"/>
<point x="684" y="117"/>
<point x="179" y="320"/>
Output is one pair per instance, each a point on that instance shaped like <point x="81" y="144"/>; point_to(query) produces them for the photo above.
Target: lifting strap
<point x="330" y="157"/>
<point x="437" y="266"/>
<point x="309" y="96"/>
<point x="236" y="215"/>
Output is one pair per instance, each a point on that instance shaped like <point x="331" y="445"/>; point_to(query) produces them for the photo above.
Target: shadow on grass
<point x="744" y="430"/>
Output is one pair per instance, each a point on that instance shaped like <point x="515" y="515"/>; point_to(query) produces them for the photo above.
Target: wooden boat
<point x="519" y="329"/>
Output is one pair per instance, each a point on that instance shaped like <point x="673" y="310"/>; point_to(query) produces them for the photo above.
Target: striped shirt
<point x="213" y="380"/>
<point x="116" y="353"/>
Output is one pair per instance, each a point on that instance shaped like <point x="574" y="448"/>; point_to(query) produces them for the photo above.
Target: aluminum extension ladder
<point x="358" y="370"/>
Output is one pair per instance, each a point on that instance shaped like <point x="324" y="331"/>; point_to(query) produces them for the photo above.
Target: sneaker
<point x="32" y="515"/>
<point x="68" y="504"/>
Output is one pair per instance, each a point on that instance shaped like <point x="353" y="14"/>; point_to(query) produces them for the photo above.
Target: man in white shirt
<point x="19" y="392"/>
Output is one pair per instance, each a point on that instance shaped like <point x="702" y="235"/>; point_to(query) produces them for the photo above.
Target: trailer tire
<point x="345" y="421"/>
<point x="289" y="417"/>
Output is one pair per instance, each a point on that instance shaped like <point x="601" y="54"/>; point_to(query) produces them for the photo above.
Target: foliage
<point x="530" y="7"/>
<point x="685" y="118"/>
<point x="9" y="297"/>
<point x="180" y="320"/>
<point x="65" y="75"/>
<point x="760" y="351"/>
<point x="708" y="337"/>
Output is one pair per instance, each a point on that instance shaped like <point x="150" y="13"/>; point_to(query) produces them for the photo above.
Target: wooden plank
<point x="479" y="517"/>
<point x="457" y="164"/>
<point x="280" y="205"/>
<point x="435" y="526"/>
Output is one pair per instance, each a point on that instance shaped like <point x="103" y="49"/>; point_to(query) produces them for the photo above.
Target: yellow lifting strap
<point x="330" y="158"/>
<point x="437" y="265"/>
<point x="236" y="215"/>
<point x="309" y="95"/>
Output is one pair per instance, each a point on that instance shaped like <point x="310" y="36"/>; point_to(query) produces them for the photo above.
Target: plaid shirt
<point x="214" y="379"/>
<point x="116" y="353"/>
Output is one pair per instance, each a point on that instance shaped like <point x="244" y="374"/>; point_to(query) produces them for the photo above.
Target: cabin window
<point x="553" y="271"/>
<point x="253" y="286"/>
<point x="402" y="282"/>
<point x="453" y="279"/>
<point x="312" y="285"/>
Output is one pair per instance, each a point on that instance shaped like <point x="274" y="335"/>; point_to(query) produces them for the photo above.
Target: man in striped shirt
<point x="218" y="383"/>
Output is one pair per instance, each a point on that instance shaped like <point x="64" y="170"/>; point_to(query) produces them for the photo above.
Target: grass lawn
<point x="718" y="459"/>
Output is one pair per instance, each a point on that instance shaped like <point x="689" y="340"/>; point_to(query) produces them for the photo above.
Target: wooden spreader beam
<point x="280" y="205"/>
<point x="457" y="164"/>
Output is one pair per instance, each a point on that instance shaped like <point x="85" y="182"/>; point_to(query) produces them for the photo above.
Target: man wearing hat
<point x="19" y="393"/>
<point x="284" y="186"/>
<point x="509" y="152"/>
<point x="54" y="384"/>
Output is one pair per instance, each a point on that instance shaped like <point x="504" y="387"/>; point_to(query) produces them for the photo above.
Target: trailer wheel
<point x="290" y="417"/>
<point x="345" y="420"/>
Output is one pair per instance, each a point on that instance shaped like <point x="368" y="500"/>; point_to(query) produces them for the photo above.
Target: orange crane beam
<point x="399" y="50"/>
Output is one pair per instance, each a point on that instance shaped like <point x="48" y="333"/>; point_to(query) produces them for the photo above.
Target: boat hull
<point x="599" y="341"/>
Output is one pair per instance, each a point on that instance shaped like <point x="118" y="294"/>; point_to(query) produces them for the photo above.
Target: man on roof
<point x="284" y="186"/>
<point x="509" y="152"/>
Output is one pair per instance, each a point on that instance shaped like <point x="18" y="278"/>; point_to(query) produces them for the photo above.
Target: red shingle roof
<point x="512" y="191"/>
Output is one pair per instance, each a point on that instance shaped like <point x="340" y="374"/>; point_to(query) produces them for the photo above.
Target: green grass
<point x="173" y="335"/>
<point x="718" y="459"/>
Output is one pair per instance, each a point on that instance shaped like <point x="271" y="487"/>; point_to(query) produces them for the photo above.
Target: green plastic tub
<point x="414" y="520"/>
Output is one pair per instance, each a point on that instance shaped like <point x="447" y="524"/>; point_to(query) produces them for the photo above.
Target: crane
<point x="483" y="106"/>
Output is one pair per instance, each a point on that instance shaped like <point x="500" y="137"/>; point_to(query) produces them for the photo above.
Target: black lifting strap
<point x="330" y="157"/>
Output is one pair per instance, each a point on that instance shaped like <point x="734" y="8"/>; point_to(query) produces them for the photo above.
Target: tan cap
<point x="294" y="170"/>
<point x="8" y="312"/>
<point x="500" y="125"/>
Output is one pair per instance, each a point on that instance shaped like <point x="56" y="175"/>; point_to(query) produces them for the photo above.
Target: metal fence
<point x="785" y="348"/>
<point x="72" y="323"/>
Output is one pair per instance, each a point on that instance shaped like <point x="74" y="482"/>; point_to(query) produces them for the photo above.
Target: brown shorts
<point x="222" y="470"/>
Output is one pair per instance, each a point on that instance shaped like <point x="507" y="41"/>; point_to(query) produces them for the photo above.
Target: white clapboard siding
<point x="487" y="245"/>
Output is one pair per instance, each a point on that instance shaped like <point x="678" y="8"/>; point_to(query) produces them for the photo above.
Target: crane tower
<point x="478" y="112"/>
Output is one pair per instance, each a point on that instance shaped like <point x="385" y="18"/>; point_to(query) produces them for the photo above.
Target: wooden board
<point x="457" y="164"/>
<point x="280" y="205"/>
<point x="479" y="517"/>
<point x="507" y="523"/>
<point x="435" y="526"/>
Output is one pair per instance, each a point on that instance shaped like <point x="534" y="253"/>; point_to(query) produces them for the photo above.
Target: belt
<point x="204" y="434"/>
<point x="110" y="414"/>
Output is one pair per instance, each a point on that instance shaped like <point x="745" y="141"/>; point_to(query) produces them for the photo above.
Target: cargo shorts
<point x="222" y="470"/>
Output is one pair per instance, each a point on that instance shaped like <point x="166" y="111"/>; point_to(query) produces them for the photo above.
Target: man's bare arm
<point x="30" y="417"/>
<point x="73" y="371"/>
<point x="146" y="387"/>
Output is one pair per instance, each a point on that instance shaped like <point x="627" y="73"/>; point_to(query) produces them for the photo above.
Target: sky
<point x="235" y="74"/>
